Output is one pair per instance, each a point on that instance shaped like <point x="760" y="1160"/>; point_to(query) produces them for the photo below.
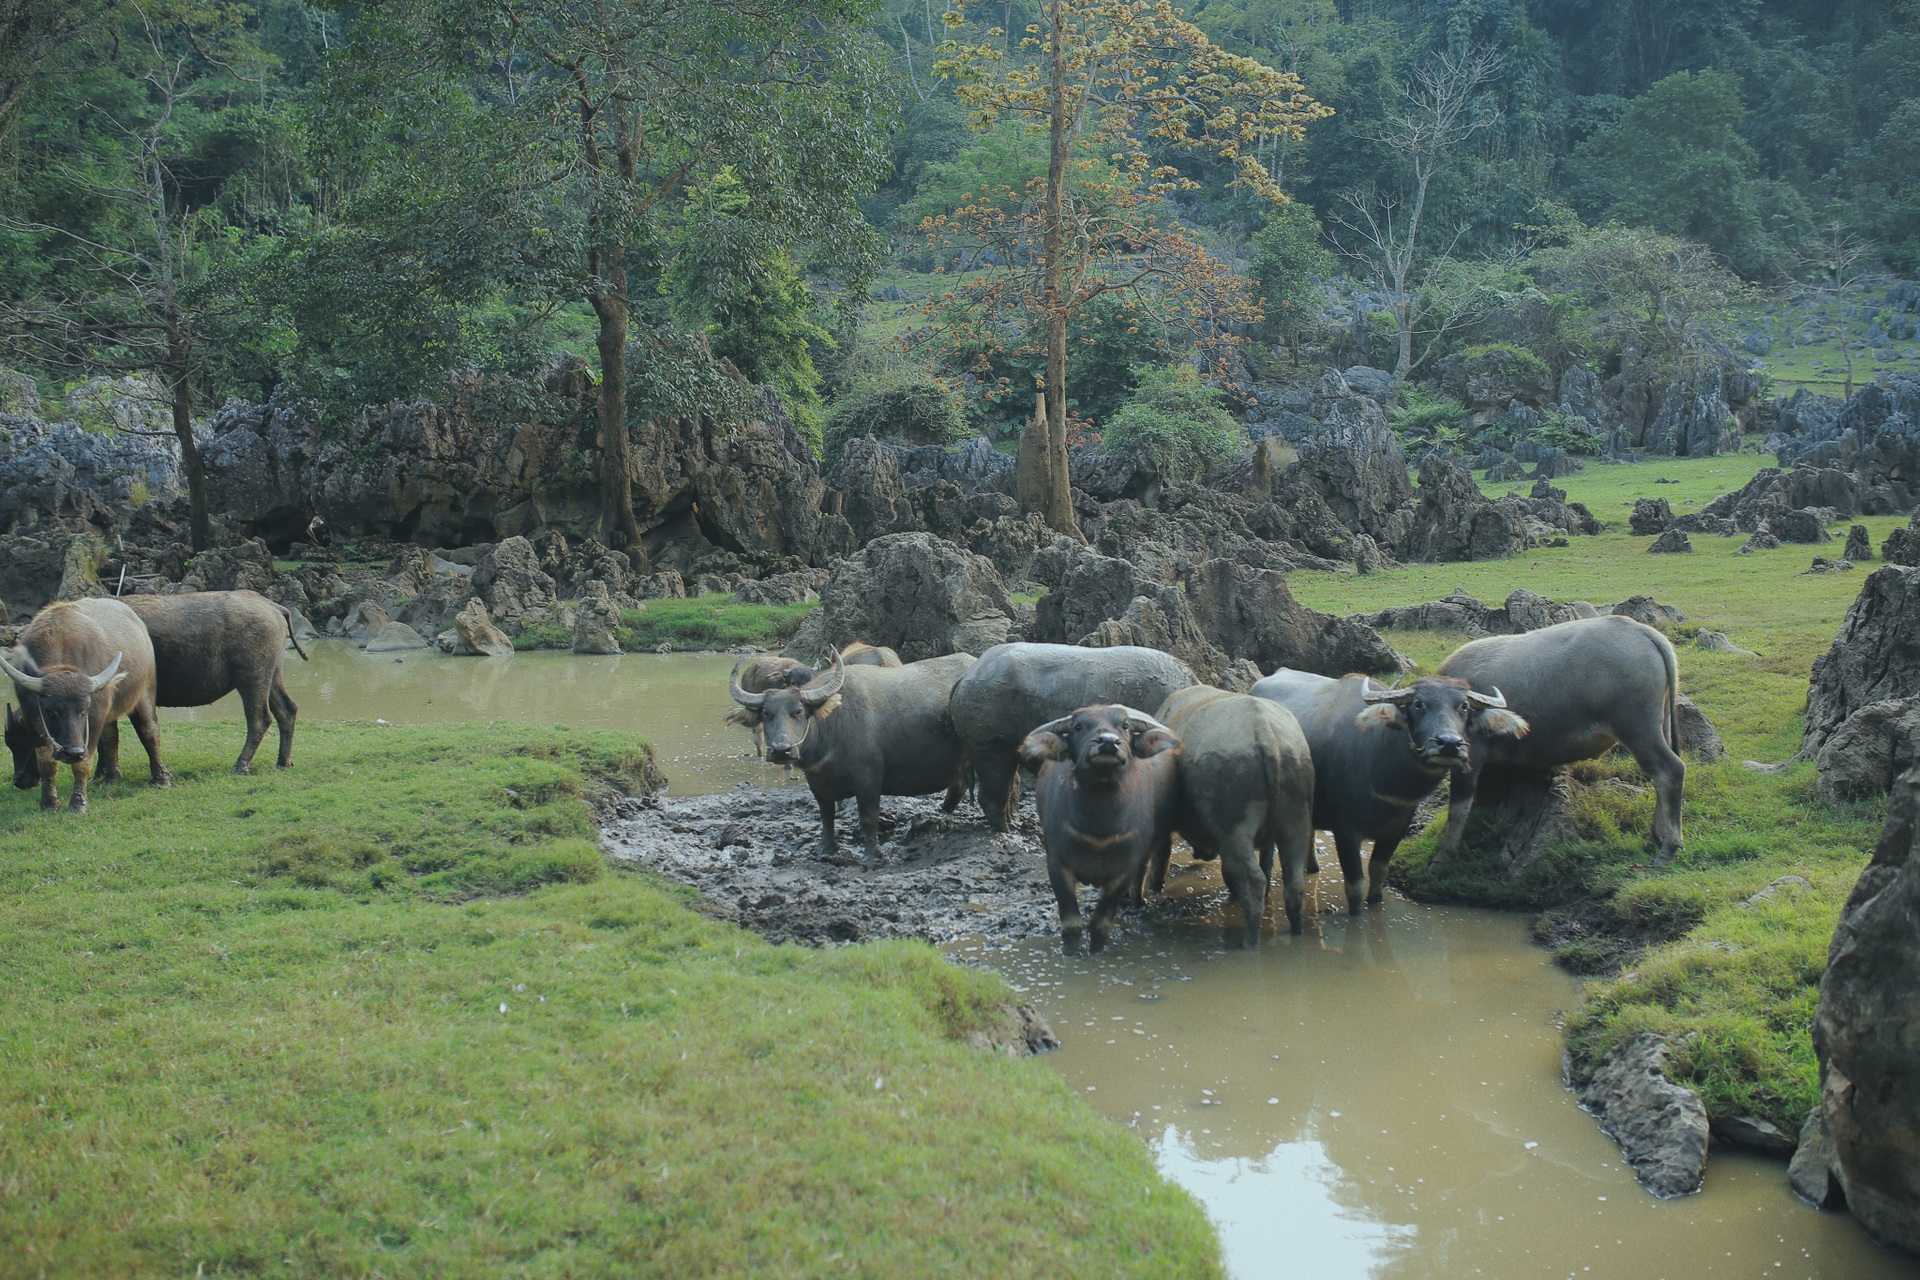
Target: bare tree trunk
<point x="179" y="374"/>
<point x="1055" y="483"/>
<point x="619" y="528"/>
<point x="1403" y="316"/>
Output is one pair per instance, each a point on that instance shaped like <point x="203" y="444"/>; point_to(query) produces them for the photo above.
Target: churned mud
<point x="754" y="855"/>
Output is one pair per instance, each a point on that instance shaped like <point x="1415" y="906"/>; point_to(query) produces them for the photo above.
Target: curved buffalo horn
<point x="1140" y="721"/>
<point x="1398" y="697"/>
<point x="740" y="695"/>
<point x="820" y="689"/>
<point x="105" y="677"/>
<point x="1494" y="699"/>
<point x="31" y="684"/>
<point x="1053" y="726"/>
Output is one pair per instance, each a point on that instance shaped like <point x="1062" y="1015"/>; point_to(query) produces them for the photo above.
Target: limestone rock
<point x="1650" y="517"/>
<point x="396" y="636"/>
<point x="1867" y="752"/>
<point x="1366" y="554"/>
<point x="513" y="584"/>
<point x="1455" y="521"/>
<point x="1698" y="737"/>
<point x="914" y="593"/>
<point x="1759" y="540"/>
<point x="441" y="598"/>
<point x="1865" y="1030"/>
<point x="246" y="567"/>
<point x="365" y="621"/>
<point x="1753" y="1133"/>
<point x="1875" y="656"/>
<point x="1859" y="548"/>
<point x="1717" y="642"/>
<point x="1527" y="611"/>
<point x="796" y="587"/>
<point x="1823" y="565"/>
<point x="1903" y="545"/>
<point x="1874" y="438"/>
<point x="1811" y="1172"/>
<point x="1648" y="610"/>
<point x="1661" y="1127"/>
<point x="475" y="635"/>
<point x="595" y="621"/>
<point x="665" y="585"/>
<point x="1673" y="541"/>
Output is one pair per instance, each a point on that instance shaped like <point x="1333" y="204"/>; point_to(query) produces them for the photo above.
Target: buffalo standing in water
<point x="1106" y="791"/>
<point x="759" y="675"/>
<point x="865" y="732"/>
<point x="210" y="643"/>
<point x="80" y="666"/>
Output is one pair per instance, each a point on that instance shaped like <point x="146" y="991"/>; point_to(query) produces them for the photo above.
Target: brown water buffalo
<point x="78" y="668"/>
<point x="1377" y="753"/>
<point x="1107" y="793"/>
<point x="866" y="732"/>
<point x="1584" y="687"/>
<point x="1245" y="775"/>
<point x="211" y="643"/>
<point x="862" y="654"/>
<point x="1016" y="686"/>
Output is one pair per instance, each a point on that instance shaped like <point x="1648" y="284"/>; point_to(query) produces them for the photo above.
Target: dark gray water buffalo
<point x="760" y="675"/>
<point x="211" y="643"/>
<point x="1584" y="686"/>
<point x="1246" y="788"/>
<point x="1377" y="753"/>
<point x="1107" y="791"/>
<point x="1016" y="686"/>
<point x="78" y="668"/>
<point x="866" y="732"/>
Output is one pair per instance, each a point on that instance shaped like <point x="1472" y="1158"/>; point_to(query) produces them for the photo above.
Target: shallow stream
<point x="1381" y="1097"/>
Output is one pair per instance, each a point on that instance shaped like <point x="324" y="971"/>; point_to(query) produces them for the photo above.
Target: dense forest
<point x="862" y="206"/>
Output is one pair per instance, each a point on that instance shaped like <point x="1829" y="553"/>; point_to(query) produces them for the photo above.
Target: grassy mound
<point x="391" y="1012"/>
<point x="704" y="622"/>
<point x="1736" y="980"/>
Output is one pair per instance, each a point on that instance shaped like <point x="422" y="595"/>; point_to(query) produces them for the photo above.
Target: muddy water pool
<point x="1380" y="1097"/>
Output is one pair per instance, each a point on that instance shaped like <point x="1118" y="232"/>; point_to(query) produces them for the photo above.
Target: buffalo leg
<point x="1112" y="894"/>
<point x="285" y="712"/>
<point x="951" y="801"/>
<point x="109" y="753"/>
<point x="1352" y="870"/>
<point x="146" y="723"/>
<point x="870" y="825"/>
<point x="49" y="785"/>
<point x="1240" y="867"/>
<point x="1383" y="851"/>
<point x="254" y="703"/>
<point x="77" y="799"/>
<point x="1295" y="841"/>
<point x="1669" y="774"/>
<point x="829" y="843"/>
<point x="1460" y="793"/>
<point x="1067" y="895"/>
<point x="998" y="789"/>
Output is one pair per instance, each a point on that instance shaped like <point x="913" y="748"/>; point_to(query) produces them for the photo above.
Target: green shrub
<point x="1421" y="416"/>
<point x="905" y="405"/>
<point x="1564" y="431"/>
<point x="1174" y="421"/>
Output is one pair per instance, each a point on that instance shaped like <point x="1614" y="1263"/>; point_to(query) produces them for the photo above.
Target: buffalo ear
<point x="1381" y="714"/>
<point x="1497" y="723"/>
<point x="1153" y="742"/>
<point x="745" y="716"/>
<point x="1038" y="748"/>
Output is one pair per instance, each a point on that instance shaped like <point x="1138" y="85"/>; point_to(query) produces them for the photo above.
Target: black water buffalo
<point x="1107" y="792"/>
<point x="760" y="675"/>
<point x="211" y="643"/>
<point x="1016" y="686"/>
<point x="866" y="732"/>
<point x="78" y="668"/>
<point x="1246" y="788"/>
<point x="1378" y="752"/>
<point x="1584" y="686"/>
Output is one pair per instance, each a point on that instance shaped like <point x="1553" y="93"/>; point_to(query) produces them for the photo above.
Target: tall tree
<point x="32" y="33"/>
<point x="580" y="124"/>
<point x="1120" y="88"/>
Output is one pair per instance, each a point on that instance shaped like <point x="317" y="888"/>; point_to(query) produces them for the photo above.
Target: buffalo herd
<point x="81" y="666"/>
<point x="1127" y="750"/>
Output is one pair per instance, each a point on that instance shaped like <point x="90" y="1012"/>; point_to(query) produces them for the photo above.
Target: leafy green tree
<point x="33" y="33"/>
<point x="895" y="402"/>
<point x="1176" y="422"/>
<point x="1288" y="261"/>
<point x="559" y="136"/>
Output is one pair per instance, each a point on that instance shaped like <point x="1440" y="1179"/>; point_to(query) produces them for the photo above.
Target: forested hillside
<point x="847" y="201"/>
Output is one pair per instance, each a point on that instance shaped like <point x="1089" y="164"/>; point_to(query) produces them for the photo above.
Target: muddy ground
<point x="753" y="853"/>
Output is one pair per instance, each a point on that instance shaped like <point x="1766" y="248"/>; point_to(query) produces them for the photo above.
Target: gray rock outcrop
<point x="474" y="635"/>
<point x="914" y="593"/>
<point x="395" y="637"/>
<point x="1874" y="658"/>
<point x="1661" y="1127"/>
<point x="514" y="585"/>
<point x="1672" y="542"/>
<point x="1650" y="517"/>
<point x="1870" y="748"/>
<point x="1875" y="438"/>
<point x="595" y="621"/>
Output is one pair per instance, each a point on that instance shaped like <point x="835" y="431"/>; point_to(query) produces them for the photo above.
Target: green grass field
<point x="703" y="622"/>
<point x="1737" y="982"/>
<point x="391" y="1012"/>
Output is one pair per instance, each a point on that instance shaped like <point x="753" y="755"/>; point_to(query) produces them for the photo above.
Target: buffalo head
<point x="23" y="743"/>
<point x="787" y="714"/>
<point x="62" y="698"/>
<point x="1439" y="714"/>
<point x="1099" y="742"/>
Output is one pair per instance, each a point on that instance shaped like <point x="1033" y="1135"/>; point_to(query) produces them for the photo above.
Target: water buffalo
<point x="1246" y="787"/>
<point x="1584" y="686"/>
<point x="210" y="643"/>
<point x="1107" y="793"/>
<point x="79" y="667"/>
<point x="866" y="732"/>
<point x="862" y="654"/>
<point x="759" y="675"/>
<point x="1378" y="752"/>
<point x="1016" y="686"/>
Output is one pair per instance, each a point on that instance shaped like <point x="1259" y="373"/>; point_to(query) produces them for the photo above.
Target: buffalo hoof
<point x="163" y="779"/>
<point x="49" y="803"/>
<point x="1097" y="941"/>
<point x="112" y="776"/>
<point x="242" y="770"/>
<point x="76" y="806"/>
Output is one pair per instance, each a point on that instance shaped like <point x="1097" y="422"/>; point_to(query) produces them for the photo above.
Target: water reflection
<point x="676" y="700"/>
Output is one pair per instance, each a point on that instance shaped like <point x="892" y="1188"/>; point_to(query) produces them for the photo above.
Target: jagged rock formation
<point x="1874" y="437"/>
<point x="1867" y="1122"/>
<point x="1859" y="548"/>
<point x="1672" y="542"/>
<point x="1794" y="506"/>
<point x="1651" y="516"/>
<point x="1903" y="545"/>
<point x="1661" y="1126"/>
<point x="1874" y="659"/>
<point x="914" y="593"/>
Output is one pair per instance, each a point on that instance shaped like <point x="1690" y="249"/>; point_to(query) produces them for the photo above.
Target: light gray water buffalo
<point x="79" y="667"/>
<point x="1246" y="789"/>
<point x="866" y="732"/>
<point x="1016" y="686"/>
<point x="1585" y="686"/>
<point x="1107" y="791"/>
<point x="211" y="643"/>
<point x="1377" y="753"/>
